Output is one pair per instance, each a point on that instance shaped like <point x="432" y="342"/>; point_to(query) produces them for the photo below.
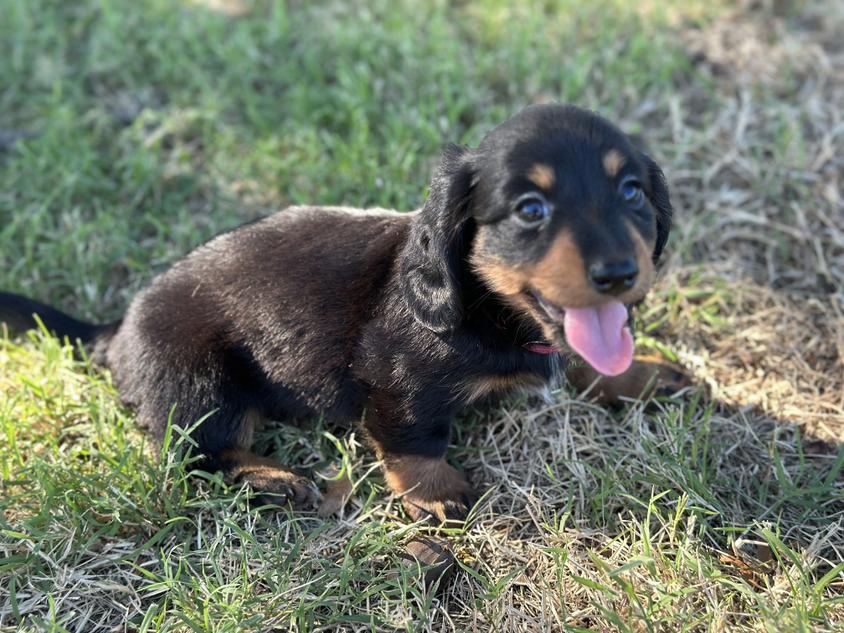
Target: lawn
<point x="132" y="131"/>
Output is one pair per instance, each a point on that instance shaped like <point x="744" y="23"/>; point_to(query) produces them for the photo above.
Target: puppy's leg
<point x="647" y="377"/>
<point x="412" y="454"/>
<point x="429" y="486"/>
<point x="227" y="441"/>
<point x="169" y="359"/>
<point x="224" y="439"/>
<point x="274" y="483"/>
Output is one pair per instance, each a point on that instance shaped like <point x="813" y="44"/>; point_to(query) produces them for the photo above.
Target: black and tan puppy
<point x="529" y="249"/>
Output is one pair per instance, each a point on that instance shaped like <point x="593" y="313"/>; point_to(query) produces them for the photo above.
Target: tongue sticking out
<point x="601" y="337"/>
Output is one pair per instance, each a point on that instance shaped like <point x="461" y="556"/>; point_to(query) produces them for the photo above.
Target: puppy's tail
<point x="18" y="313"/>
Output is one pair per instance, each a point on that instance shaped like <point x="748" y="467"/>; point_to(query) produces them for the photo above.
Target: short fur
<point x="395" y="319"/>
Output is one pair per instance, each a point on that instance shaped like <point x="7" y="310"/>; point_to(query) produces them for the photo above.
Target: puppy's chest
<point x="525" y="381"/>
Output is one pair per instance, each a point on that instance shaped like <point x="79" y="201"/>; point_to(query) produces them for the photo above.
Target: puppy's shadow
<point x="733" y="476"/>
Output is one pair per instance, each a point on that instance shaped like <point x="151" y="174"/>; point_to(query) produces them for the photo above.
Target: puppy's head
<point x="567" y="218"/>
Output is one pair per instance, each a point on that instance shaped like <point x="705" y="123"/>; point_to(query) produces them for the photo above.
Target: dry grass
<point x="760" y="173"/>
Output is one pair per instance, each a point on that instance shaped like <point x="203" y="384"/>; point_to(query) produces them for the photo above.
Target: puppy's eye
<point x="631" y="191"/>
<point x="532" y="210"/>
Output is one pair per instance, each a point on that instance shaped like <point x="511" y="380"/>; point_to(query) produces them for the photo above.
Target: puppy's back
<point x="284" y="299"/>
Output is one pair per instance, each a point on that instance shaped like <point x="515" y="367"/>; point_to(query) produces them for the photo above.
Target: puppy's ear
<point x="657" y="192"/>
<point x="431" y="258"/>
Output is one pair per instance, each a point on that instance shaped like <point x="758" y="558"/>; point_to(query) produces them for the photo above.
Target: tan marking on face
<point x="542" y="176"/>
<point x="483" y="386"/>
<point x="423" y="477"/>
<point x="504" y="279"/>
<point x="613" y="162"/>
<point x="644" y="259"/>
<point x="560" y="277"/>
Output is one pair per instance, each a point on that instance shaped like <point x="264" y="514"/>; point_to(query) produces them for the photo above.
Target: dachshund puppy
<point x="529" y="250"/>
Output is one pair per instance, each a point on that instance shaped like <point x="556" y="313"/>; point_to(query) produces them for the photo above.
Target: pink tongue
<point x="601" y="337"/>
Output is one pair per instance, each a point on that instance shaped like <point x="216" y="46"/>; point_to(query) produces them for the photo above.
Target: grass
<point x="129" y="132"/>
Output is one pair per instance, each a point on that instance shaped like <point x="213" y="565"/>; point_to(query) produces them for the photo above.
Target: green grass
<point x="147" y="127"/>
<point x="157" y="124"/>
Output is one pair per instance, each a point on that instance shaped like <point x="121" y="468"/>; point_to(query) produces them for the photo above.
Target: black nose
<point x="613" y="278"/>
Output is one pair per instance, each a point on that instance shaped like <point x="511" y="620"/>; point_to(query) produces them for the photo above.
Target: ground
<point x="131" y="131"/>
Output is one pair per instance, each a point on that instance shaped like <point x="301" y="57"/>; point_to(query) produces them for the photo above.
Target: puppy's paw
<point x="647" y="377"/>
<point x="451" y="507"/>
<point x="430" y="488"/>
<point x="272" y="483"/>
<point x="282" y="487"/>
<point x="669" y="378"/>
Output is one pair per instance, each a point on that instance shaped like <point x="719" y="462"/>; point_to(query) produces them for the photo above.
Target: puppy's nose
<point x="613" y="278"/>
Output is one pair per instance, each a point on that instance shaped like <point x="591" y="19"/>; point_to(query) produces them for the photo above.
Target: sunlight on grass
<point x="130" y="132"/>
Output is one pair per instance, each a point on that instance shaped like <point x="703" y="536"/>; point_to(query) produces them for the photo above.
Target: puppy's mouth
<point x="597" y="333"/>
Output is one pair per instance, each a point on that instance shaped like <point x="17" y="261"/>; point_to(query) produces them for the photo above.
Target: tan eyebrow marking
<point x="542" y="176"/>
<point x="613" y="162"/>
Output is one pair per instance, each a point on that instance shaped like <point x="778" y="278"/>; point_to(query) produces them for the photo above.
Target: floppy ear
<point x="657" y="192"/>
<point x="431" y="258"/>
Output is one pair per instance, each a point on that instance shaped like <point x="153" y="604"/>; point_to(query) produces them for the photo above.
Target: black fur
<point x="327" y="311"/>
<point x="659" y="197"/>
<point x="431" y="258"/>
<point x="18" y="313"/>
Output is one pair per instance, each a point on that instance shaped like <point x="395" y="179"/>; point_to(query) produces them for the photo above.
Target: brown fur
<point x="647" y="376"/>
<point x="560" y="276"/>
<point x="488" y="385"/>
<point x="277" y="483"/>
<point x="647" y="270"/>
<point x="429" y="486"/>
<point x="613" y="162"/>
<point x="542" y="176"/>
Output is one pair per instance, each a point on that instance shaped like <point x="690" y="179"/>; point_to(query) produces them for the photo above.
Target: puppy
<point x="529" y="250"/>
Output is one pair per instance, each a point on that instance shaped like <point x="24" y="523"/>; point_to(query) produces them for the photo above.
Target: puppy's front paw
<point x="452" y="506"/>
<point x="430" y="488"/>
<point x="670" y="379"/>
<point x="647" y="377"/>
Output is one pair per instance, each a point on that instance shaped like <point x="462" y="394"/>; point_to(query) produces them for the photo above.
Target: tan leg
<point x="647" y="376"/>
<point x="429" y="487"/>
